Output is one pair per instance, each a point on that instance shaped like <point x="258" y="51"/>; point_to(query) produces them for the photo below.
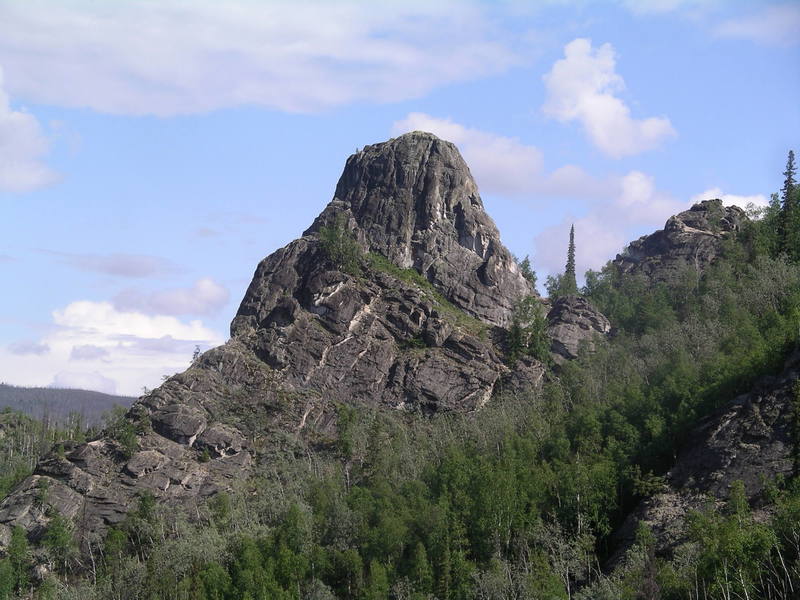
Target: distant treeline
<point x="60" y="406"/>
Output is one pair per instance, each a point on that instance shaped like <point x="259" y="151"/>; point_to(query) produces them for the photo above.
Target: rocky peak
<point x="413" y="200"/>
<point x="691" y="239"/>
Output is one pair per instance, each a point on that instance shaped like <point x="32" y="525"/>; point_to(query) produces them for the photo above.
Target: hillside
<point x="56" y="404"/>
<point x="399" y="415"/>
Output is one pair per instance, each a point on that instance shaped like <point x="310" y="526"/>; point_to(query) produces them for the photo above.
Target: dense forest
<point x="520" y="500"/>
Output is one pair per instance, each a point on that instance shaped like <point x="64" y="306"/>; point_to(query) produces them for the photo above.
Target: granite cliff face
<point x="691" y="239"/>
<point x="417" y="328"/>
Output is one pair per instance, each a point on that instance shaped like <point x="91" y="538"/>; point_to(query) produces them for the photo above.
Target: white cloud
<point x="504" y="165"/>
<point x="168" y="57"/>
<point x="84" y="381"/>
<point x="757" y="200"/>
<point x="636" y="207"/>
<point x="777" y="24"/>
<point x="24" y="347"/>
<point x="96" y="346"/>
<point x="582" y="87"/>
<point x="665" y="6"/>
<point x="23" y="145"/>
<point x="87" y="352"/>
<point x="205" y="297"/>
<point x="119" y="264"/>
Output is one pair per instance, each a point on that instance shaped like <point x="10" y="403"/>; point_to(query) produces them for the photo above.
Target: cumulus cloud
<point x="757" y="200"/>
<point x="94" y="345"/>
<point x="87" y="352"/>
<point x="168" y="57"/>
<point x="205" y="297"/>
<point x="637" y="207"/>
<point x="776" y="24"/>
<point x="504" y="165"/>
<point x="84" y="381"/>
<point x="23" y="147"/>
<point x="24" y="347"/>
<point x="121" y="265"/>
<point x="582" y="87"/>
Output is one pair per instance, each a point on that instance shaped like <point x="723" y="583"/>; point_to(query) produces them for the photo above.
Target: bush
<point x="340" y="246"/>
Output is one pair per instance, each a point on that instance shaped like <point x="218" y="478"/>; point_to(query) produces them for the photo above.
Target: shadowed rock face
<point x="413" y="331"/>
<point x="691" y="239"/>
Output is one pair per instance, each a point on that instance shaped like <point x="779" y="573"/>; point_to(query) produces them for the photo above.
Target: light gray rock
<point x="690" y="240"/>
<point x="574" y="324"/>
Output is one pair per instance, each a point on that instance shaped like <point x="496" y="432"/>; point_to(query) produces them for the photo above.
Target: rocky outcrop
<point x="413" y="200"/>
<point x="748" y="439"/>
<point x="690" y="240"/>
<point x="414" y="328"/>
<point x="574" y="325"/>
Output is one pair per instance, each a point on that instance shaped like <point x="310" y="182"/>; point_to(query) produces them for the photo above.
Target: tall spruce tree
<point x="569" y="284"/>
<point x="790" y="211"/>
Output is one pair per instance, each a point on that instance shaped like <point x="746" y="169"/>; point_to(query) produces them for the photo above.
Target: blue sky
<point x="152" y="152"/>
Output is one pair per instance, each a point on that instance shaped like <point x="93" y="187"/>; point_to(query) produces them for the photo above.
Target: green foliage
<point x="455" y="315"/>
<point x="528" y="332"/>
<point x="521" y="501"/>
<point x="123" y="432"/>
<point x="59" y="542"/>
<point x="339" y="245"/>
<point x="569" y="285"/>
<point x="527" y="271"/>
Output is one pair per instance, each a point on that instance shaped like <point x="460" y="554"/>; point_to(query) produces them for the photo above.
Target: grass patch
<point x="452" y="313"/>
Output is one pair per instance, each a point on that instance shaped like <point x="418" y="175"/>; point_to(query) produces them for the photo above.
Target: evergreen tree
<point x="569" y="284"/>
<point x="790" y="211"/>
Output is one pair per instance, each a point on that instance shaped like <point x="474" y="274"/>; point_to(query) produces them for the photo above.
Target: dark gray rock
<point x="413" y="200"/>
<point x="574" y="324"/>
<point x="416" y="333"/>
<point x="690" y="240"/>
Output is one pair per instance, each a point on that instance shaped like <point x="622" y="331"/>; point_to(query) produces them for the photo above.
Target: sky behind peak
<point x="153" y="151"/>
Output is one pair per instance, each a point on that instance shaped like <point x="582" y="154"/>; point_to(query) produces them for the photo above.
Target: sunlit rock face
<point x="690" y="240"/>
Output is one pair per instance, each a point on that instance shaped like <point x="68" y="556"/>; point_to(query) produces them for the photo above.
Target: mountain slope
<point x="411" y="325"/>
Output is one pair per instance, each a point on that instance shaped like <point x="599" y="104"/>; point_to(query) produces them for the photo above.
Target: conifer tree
<point x="569" y="285"/>
<point x="790" y="211"/>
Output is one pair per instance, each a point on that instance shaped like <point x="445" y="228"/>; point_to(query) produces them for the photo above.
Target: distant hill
<point x="56" y="404"/>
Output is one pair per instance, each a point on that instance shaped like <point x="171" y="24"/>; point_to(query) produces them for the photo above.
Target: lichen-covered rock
<point x="690" y="240"/>
<point x="573" y="323"/>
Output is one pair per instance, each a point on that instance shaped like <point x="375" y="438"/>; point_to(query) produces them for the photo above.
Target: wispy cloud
<point x="204" y="297"/>
<point x="119" y="264"/>
<point x="775" y="25"/>
<point x="172" y="57"/>
<point x="23" y="147"/>
<point x="582" y="87"/>
<point x="24" y="347"/>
